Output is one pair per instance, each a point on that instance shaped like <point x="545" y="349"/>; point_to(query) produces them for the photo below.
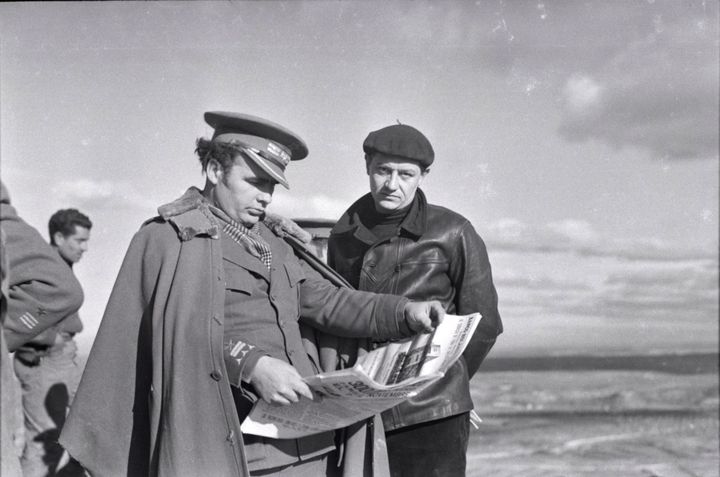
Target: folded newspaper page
<point x="381" y="379"/>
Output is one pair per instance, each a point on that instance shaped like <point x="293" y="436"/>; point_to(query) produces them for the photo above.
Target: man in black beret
<point x="208" y="314"/>
<point x="392" y="241"/>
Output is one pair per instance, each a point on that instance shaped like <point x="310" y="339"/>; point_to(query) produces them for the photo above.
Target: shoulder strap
<point x="304" y="253"/>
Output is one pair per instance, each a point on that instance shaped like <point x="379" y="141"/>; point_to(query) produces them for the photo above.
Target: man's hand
<point x="423" y="316"/>
<point x="277" y="382"/>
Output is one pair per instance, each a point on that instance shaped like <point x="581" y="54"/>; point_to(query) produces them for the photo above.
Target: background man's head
<point x="69" y="231"/>
<point x="244" y="160"/>
<point x="397" y="159"/>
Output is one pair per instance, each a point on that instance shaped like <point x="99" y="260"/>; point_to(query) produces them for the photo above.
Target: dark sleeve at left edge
<point x="42" y="289"/>
<point x="475" y="292"/>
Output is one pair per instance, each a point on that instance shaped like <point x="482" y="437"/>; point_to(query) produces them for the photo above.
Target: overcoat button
<point x="216" y="375"/>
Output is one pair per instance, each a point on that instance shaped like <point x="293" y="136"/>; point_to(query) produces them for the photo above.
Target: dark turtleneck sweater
<point x="383" y="226"/>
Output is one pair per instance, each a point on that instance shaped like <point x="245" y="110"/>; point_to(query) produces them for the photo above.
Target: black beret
<point x="400" y="140"/>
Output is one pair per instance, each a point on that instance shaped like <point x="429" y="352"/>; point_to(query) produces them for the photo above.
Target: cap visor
<point x="269" y="168"/>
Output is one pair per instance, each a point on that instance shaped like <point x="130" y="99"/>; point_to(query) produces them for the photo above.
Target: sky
<point x="579" y="138"/>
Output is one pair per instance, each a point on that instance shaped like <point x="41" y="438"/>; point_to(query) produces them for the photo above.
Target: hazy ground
<point x="596" y="416"/>
<point x="582" y="422"/>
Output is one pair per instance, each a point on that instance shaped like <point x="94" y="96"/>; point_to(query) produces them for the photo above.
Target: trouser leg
<point x="11" y="426"/>
<point x="434" y="448"/>
<point x="47" y="391"/>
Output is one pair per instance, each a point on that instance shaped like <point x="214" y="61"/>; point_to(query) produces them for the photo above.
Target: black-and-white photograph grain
<point x="355" y="238"/>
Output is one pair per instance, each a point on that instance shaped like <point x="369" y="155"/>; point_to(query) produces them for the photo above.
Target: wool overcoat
<point x="155" y="398"/>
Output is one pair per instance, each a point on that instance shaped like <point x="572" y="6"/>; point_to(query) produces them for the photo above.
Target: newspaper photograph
<point x="381" y="379"/>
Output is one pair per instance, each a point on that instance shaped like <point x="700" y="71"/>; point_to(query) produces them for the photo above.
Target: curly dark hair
<point x="65" y="220"/>
<point x="223" y="152"/>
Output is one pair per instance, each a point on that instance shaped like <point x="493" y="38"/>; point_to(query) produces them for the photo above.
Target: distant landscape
<point x="686" y="363"/>
<point x="597" y="416"/>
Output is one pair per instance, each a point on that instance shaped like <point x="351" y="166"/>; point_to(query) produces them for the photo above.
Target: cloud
<point x="582" y="94"/>
<point x="542" y="283"/>
<point x="660" y="94"/>
<point x="652" y="249"/>
<point x="535" y="286"/>
<point x="679" y="292"/>
<point x="88" y="192"/>
<point x="563" y="235"/>
<point x="311" y="206"/>
<point x="567" y="269"/>
<point x="634" y="291"/>
<point x="102" y="193"/>
<point x="579" y="237"/>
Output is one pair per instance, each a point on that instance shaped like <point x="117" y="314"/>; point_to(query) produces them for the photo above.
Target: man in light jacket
<point x="38" y="291"/>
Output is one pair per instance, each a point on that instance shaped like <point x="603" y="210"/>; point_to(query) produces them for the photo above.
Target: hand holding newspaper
<point x="379" y="380"/>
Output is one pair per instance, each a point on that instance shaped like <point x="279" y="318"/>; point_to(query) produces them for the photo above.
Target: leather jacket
<point x="436" y="255"/>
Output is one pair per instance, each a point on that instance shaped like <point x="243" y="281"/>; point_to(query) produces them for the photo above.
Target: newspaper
<point x="381" y="379"/>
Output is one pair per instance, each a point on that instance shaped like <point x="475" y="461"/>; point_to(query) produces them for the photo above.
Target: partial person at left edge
<point x="39" y="291"/>
<point x="47" y="365"/>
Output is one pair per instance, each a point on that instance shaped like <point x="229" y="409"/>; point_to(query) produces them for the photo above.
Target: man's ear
<point x="423" y="174"/>
<point x="58" y="238"/>
<point x="214" y="171"/>
<point x="368" y="160"/>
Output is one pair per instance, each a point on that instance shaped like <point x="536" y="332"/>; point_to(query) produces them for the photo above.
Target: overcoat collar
<point x="190" y="215"/>
<point x="414" y="224"/>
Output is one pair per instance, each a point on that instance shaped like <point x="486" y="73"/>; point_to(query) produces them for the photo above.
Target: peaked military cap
<point x="401" y="140"/>
<point x="269" y="145"/>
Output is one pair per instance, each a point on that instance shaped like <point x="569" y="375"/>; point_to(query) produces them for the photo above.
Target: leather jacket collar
<point x="414" y="224"/>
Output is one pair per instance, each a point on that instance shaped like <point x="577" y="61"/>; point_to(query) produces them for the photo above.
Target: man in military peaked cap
<point x="207" y="316"/>
<point x="268" y="145"/>
<point x="393" y="241"/>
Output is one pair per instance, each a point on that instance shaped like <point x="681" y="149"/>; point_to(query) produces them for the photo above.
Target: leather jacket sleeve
<point x="475" y="292"/>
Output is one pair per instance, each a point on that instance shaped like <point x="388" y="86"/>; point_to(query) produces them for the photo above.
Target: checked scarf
<point x="248" y="238"/>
